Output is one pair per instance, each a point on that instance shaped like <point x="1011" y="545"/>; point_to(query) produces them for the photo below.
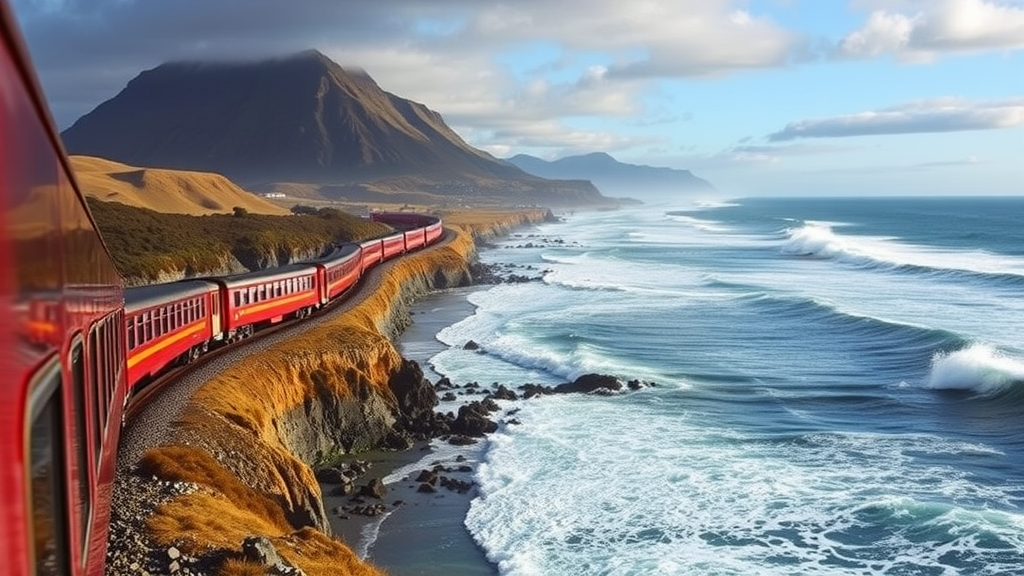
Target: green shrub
<point x="144" y="243"/>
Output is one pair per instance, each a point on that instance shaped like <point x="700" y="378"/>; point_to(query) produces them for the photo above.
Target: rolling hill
<point x="162" y="190"/>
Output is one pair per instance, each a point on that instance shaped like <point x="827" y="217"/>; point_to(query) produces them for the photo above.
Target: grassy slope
<point x="146" y="244"/>
<point x="350" y="358"/>
<point x="169" y="191"/>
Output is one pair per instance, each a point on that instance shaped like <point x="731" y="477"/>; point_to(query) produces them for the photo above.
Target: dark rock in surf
<point x="590" y="383"/>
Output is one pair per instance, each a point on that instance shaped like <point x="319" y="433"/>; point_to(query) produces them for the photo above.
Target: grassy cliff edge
<point x="249" y="436"/>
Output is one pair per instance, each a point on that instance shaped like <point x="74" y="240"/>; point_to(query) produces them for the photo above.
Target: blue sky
<point x="779" y="97"/>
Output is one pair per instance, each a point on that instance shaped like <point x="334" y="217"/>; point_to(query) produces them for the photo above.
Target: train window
<point x="147" y="327"/>
<point x="108" y="337"/>
<point x="97" y="371"/>
<point x="46" y="484"/>
<point x="166" y="320"/>
<point x="82" y="458"/>
<point x="130" y="329"/>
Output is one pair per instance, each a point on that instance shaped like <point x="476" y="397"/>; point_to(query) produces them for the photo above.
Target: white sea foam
<point x="819" y="239"/>
<point x="980" y="368"/>
<point x="698" y="223"/>
<point x="580" y="489"/>
<point x="713" y="204"/>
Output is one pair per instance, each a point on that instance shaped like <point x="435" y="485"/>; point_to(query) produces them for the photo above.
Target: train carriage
<point x="62" y="357"/>
<point x="393" y="245"/>
<point x="433" y="232"/>
<point x="372" y="253"/>
<point x="415" y="239"/>
<point x="266" y="297"/>
<point x="336" y="272"/>
<point x="165" y="323"/>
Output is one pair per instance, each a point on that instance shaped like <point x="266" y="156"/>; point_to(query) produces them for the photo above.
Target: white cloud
<point x="925" y="116"/>
<point x="922" y="29"/>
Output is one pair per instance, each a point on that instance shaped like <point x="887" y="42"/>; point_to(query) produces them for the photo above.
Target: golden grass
<point x="168" y="191"/>
<point x="237" y="412"/>
<point x="189" y="464"/>
<point x="236" y="567"/>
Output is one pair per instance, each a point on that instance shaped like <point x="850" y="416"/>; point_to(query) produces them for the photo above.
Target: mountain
<point x="616" y="178"/>
<point x="167" y="191"/>
<point x="300" y="119"/>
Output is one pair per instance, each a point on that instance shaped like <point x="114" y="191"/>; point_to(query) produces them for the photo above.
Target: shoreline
<point x="424" y="534"/>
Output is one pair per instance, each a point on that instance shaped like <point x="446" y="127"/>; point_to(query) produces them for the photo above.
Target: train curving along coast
<point x="76" y="344"/>
<point x="177" y="322"/>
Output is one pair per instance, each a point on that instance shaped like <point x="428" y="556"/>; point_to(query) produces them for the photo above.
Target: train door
<point x="215" y="325"/>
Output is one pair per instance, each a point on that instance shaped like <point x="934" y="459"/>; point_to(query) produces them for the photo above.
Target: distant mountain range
<point x="302" y="119"/>
<point x="617" y="178"/>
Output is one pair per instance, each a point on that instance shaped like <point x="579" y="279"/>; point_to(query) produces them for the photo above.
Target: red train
<point x="176" y="323"/>
<point x="74" y="342"/>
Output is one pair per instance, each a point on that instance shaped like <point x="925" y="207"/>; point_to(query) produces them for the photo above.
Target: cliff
<point x="250" y="436"/>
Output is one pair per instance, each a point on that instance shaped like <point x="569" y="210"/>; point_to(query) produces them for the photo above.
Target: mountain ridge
<point x="298" y="118"/>
<point x="614" y="177"/>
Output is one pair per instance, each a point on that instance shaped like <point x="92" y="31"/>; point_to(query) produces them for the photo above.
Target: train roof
<point x="341" y="253"/>
<point x="268" y="275"/>
<point x="142" y="297"/>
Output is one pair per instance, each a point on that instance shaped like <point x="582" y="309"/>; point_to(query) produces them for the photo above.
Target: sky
<point x="761" y="97"/>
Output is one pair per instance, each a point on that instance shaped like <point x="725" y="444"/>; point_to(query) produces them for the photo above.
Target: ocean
<point x="839" y="390"/>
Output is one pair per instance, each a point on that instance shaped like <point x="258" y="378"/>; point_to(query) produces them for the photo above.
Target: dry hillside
<point x="167" y="191"/>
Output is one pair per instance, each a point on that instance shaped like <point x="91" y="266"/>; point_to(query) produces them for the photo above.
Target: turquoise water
<point x="840" y="390"/>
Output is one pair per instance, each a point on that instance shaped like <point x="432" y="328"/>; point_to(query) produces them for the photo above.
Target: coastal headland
<point x="229" y="487"/>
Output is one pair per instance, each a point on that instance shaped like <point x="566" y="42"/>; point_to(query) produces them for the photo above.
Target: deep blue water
<point x="840" y="390"/>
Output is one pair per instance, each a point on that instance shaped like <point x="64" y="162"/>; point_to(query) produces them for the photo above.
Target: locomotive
<point x="75" y="343"/>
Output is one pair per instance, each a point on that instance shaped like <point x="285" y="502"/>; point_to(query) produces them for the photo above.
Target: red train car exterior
<point x="337" y="272"/>
<point x="165" y="323"/>
<point x="371" y="254"/>
<point x="393" y="245"/>
<point x="62" y="356"/>
<point x="433" y="232"/>
<point x="266" y="296"/>
<point x="415" y="239"/>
